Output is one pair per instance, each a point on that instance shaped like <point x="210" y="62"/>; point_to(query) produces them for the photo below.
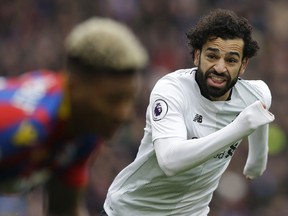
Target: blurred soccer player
<point x="52" y="122"/>
<point x="196" y="119"/>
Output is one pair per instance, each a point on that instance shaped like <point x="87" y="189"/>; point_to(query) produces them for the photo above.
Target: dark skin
<point x="98" y="105"/>
<point x="57" y="192"/>
<point x="221" y="62"/>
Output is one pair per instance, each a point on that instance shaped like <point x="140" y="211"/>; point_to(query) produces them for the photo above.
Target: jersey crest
<point x="160" y="109"/>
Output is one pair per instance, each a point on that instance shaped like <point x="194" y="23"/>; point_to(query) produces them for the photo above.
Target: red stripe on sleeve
<point x="10" y="115"/>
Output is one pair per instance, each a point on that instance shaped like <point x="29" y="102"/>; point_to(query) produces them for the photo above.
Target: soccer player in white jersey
<point x="196" y="119"/>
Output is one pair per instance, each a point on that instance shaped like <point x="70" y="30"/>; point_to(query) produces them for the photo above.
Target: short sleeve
<point x="166" y="110"/>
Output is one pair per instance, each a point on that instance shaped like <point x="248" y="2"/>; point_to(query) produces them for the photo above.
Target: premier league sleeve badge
<point x="159" y="109"/>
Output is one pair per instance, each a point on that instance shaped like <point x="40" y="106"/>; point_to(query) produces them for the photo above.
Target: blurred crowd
<point x="31" y="37"/>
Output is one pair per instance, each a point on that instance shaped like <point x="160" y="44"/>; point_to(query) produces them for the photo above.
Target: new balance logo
<point x="198" y="118"/>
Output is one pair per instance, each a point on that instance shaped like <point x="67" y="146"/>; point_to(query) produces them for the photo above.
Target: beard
<point x="212" y="91"/>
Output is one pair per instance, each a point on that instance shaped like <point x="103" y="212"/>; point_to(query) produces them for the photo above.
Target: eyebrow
<point x="217" y="50"/>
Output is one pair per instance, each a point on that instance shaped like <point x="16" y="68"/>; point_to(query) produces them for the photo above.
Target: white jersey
<point x="177" y="109"/>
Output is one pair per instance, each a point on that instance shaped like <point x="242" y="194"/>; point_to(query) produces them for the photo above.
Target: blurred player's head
<point x="221" y="45"/>
<point x="103" y="60"/>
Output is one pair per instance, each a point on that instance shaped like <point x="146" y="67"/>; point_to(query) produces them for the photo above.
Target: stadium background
<point x="31" y="37"/>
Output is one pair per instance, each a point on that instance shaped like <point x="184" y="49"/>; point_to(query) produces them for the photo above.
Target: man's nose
<point x="220" y="66"/>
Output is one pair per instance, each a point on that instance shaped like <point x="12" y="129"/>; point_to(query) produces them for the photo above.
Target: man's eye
<point x="211" y="56"/>
<point x="232" y="60"/>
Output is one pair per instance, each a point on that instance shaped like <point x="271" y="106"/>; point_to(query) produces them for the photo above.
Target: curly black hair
<point x="224" y="24"/>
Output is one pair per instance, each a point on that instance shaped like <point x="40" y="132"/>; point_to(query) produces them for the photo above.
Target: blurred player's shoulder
<point x="32" y="78"/>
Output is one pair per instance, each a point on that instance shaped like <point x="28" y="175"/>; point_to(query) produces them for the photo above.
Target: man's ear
<point x="70" y="82"/>
<point x="243" y="66"/>
<point x="73" y="86"/>
<point x="196" y="57"/>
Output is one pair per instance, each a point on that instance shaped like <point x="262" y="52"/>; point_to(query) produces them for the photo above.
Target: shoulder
<point x="30" y="95"/>
<point x="31" y="79"/>
<point x="39" y="81"/>
<point x="175" y="80"/>
<point x="260" y="89"/>
<point x="182" y="73"/>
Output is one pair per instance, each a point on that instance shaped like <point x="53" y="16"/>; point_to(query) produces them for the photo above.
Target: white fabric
<point x="191" y="153"/>
<point x="178" y="112"/>
<point x="258" y="142"/>
<point x="258" y="152"/>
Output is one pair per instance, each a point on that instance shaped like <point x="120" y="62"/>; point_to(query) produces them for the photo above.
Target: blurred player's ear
<point x="73" y="86"/>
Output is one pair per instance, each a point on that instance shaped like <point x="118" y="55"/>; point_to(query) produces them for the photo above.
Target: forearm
<point x="79" y="211"/>
<point x="176" y="155"/>
<point x="63" y="200"/>
<point x="191" y="153"/>
<point x="258" y="153"/>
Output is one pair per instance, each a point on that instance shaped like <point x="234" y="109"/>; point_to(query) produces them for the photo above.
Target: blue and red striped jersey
<point x="32" y="142"/>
